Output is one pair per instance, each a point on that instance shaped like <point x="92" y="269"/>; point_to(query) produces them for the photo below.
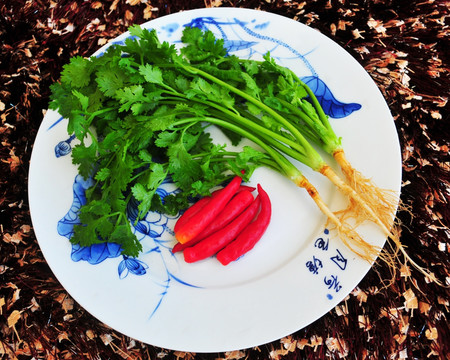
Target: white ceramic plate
<point x="296" y="273"/>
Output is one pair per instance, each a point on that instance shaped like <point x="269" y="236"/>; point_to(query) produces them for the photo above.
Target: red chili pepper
<point x="193" y="209"/>
<point x="251" y="234"/>
<point x="190" y="211"/>
<point x="217" y="241"/>
<point x="241" y="188"/>
<point x="234" y="207"/>
<point x="246" y="187"/>
<point x="200" y="220"/>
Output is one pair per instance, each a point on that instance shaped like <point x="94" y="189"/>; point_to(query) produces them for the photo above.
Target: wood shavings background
<point x="402" y="44"/>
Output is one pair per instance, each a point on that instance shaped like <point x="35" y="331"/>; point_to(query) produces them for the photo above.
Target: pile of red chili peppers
<point x="227" y="224"/>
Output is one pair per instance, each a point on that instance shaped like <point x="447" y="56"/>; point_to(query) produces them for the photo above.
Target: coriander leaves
<point x="141" y="113"/>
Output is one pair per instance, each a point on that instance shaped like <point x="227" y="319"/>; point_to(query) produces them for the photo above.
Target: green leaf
<point x="111" y="142"/>
<point x="104" y="227"/>
<point x="308" y="108"/>
<point x="211" y="91"/>
<point x="121" y="169"/>
<point x="77" y="73"/>
<point x="252" y="87"/>
<point x="253" y="109"/>
<point x="269" y="123"/>
<point x="140" y="192"/>
<point x="102" y="174"/>
<point x="78" y="125"/>
<point x="84" y="100"/>
<point x="110" y="79"/>
<point x="162" y="119"/>
<point x="144" y="194"/>
<point x="129" y="96"/>
<point x="157" y="175"/>
<point x="251" y="67"/>
<point x="201" y="45"/>
<point x="166" y="138"/>
<point x="139" y="108"/>
<point x="85" y="157"/>
<point x="181" y="165"/>
<point x="97" y="207"/>
<point x="85" y="235"/>
<point x="130" y="244"/>
<point x="136" y="30"/>
<point x="248" y="160"/>
<point x="145" y="156"/>
<point x="151" y="73"/>
<point x="182" y="83"/>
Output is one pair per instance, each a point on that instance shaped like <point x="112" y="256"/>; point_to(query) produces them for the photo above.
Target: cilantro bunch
<point x="141" y="112"/>
<point x="123" y="109"/>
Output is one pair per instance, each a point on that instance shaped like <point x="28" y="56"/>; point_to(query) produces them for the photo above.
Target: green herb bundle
<point x="141" y="112"/>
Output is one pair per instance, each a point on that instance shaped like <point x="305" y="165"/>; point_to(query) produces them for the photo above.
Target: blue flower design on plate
<point x="64" y="147"/>
<point x="135" y="266"/>
<point x="150" y="230"/>
<point x="96" y="253"/>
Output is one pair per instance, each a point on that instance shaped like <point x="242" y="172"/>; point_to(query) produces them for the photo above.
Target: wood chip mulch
<point x="404" y="47"/>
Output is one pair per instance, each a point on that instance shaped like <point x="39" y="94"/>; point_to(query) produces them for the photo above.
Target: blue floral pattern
<point x="150" y="231"/>
<point x="132" y="265"/>
<point x="64" y="147"/>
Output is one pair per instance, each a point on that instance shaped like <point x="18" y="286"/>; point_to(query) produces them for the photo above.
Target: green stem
<point x="277" y="140"/>
<point x="315" y="130"/>
<point x="301" y="114"/>
<point x="323" y="117"/>
<point x="307" y="131"/>
<point x="227" y="155"/>
<point x="286" y="167"/>
<point x="269" y="135"/>
<point x="304" y="143"/>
